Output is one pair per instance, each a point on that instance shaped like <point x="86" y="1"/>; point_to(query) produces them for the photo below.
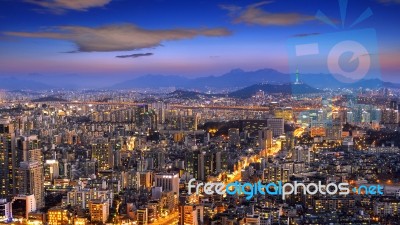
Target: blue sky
<point x="187" y="38"/>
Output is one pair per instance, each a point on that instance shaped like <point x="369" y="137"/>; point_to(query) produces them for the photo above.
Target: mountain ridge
<point x="232" y="80"/>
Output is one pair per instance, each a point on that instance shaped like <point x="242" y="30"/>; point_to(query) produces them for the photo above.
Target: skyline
<point x="126" y="38"/>
<point x="226" y="112"/>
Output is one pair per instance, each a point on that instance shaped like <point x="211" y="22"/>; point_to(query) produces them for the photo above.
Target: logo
<point x="279" y="188"/>
<point x="348" y="55"/>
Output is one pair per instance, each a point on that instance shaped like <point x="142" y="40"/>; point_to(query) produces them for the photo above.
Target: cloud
<point x="253" y="14"/>
<point x="232" y="9"/>
<point x="124" y="37"/>
<point x="60" y="6"/>
<point x="388" y="2"/>
<point x="134" y="55"/>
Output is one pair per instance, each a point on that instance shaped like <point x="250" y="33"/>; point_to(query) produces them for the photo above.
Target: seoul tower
<point x="297" y="76"/>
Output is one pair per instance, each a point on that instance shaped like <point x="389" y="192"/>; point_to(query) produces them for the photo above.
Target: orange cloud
<point x="253" y="14"/>
<point x="119" y="37"/>
<point x="60" y="6"/>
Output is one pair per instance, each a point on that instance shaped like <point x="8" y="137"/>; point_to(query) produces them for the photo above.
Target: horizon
<point x="105" y="82"/>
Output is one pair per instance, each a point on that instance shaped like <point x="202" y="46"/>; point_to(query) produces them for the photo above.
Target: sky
<point x="191" y="38"/>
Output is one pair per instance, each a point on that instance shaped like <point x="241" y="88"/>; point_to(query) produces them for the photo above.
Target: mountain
<point x="11" y="83"/>
<point x="273" y="89"/>
<point x="153" y="81"/>
<point x="236" y="78"/>
<point x="373" y="83"/>
<point x="239" y="78"/>
<point x="232" y="80"/>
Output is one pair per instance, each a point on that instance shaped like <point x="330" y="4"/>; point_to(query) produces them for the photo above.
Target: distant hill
<point x="153" y="81"/>
<point x="12" y="83"/>
<point x="274" y="88"/>
<point x="373" y="83"/>
<point x="249" y="91"/>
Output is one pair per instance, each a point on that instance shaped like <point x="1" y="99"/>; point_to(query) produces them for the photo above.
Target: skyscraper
<point x="30" y="181"/>
<point x="276" y="125"/>
<point x="103" y="153"/>
<point x="30" y="174"/>
<point x="191" y="215"/>
<point x="8" y="160"/>
<point x="265" y="138"/>
<point x="234" y="136"/>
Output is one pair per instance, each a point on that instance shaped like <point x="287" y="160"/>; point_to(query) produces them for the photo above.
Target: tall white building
<point x="168" y="181"/>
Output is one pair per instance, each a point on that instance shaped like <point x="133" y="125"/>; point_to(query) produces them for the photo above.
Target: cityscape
<point x="170" y="112"/>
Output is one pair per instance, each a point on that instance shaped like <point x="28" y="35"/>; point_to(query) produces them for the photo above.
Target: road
<point x="171" y="219"/>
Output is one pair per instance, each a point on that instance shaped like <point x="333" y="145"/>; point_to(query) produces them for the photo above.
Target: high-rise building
<point x="334" y="130"/>
<point x="102" y="152"/>
<point x="234" y="136"/>
<point x="202" y="164"/>
<point x="142" y="216"/>
<point x="28" y="148"/>
<point x="30" y="181"/>
<point x="30" y="173"/>
<point x="59" y="216"/>
<point x="22" y="205"/>
<point x="276" y="125"/>
<point x="2" y="95"/>
<point x="145" y="179"/>
<point x="191" y="215"/>
<point x="51" y="170"/>
<point x="99" y="210"/>
<point x="8" y="160"/>
<point x="140" y="112"/>
<point x="393" y="105"/>
<point x="265" y="138"/>
<point x="390" y="116"/>
<point x="193" y="161"/>
<point x="168" y="181"/>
